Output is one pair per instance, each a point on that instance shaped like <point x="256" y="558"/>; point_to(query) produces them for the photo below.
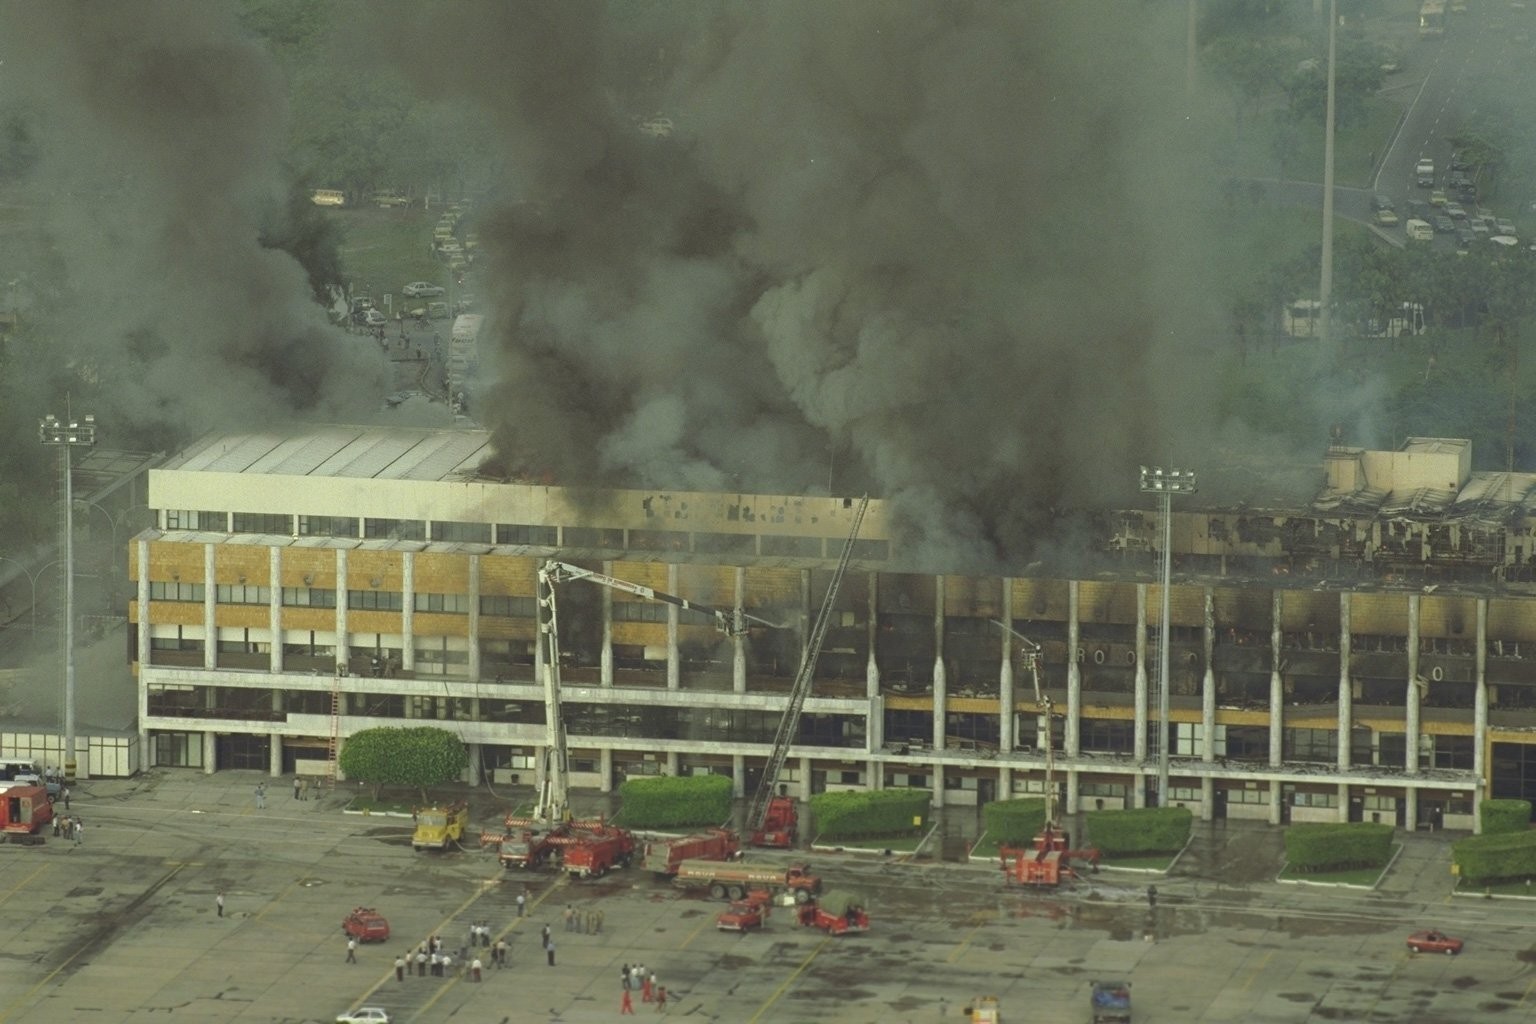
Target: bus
<point x="13" y="768"/>
<point x="328" y="197"/>
<point x="1432" y="18"/>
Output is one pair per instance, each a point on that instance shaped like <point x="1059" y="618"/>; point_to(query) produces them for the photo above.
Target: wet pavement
<point x="124" y="928"/>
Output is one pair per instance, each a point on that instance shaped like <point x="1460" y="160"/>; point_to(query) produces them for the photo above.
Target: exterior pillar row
<point x="210" y="611"/>
<point x="343" y="641"/>
<point x="1208" y="708"/>
<point x="1346" y="686"/>
<point x="1139" y="741"/>
<point x="1005" y="701"/>
<point x="1416" y="687"/>
<point x="408" y="614"/>
<point x="1480" y="718"/>
<point x="275" y="609"/>
<point x="605" y="654"/>
<point x="409" y="601"/>
<point x="739" y="641"/>
<point x="674" y="665"/>
<point x="146" y="655"/>
<point x="872" y="666"/>
<point x="1074" y="674"/>
<point x="940" y="682"/>
<point x="1276" y="689"/>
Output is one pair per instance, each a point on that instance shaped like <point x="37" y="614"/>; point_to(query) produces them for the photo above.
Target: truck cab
<point x="436" y="827"/>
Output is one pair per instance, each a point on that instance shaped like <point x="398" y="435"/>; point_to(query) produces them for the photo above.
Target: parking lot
<point x="125" y="927"/>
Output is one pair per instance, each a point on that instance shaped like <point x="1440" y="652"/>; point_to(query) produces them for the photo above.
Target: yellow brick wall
<point x="640" y="634"/>
<point x="1045" y="600"/>
<point x="434" y="574"/>
<point x="1242" y="609"/>
<point x="973" y="596"/>
<point x="773" y="588"/>
<point x="646" y="574"/>
<point x="707" y="584"/>
<point x="425" y="623"/>
<point x="363" y="567"/>
<point x="319" y="620"/>
<point x="175" y="613"/>
<point x="231" y="562"/>
<point x="1379" y="613"/>
<point x="319" y="566"/>
<point x="1099" y="601"/>
<point x="243" y="616"/>
<point x="1301" y="610"/>
<point x="506" y="629"/>
<point x="1448" y="616"/>
<point x="168" y="559"/>
<point x="508" y="576"/>
<point x="1511" y="619"/>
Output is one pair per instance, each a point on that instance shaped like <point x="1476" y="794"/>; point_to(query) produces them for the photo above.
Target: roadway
<point x="124" y="929"/>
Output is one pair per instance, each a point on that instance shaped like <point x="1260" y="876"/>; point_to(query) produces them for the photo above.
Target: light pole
<point x="32" y="578"/>
<point x="1165" y="483"/>
<point x="81" y="433"/>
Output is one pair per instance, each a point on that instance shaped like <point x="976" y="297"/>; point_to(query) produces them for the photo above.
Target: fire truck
<point x="1047" y="863"/>
<point x="836" y="913"/>
<point x="662" y="856"/>
<point x="595" y="853"/>
<point x="735" y="880"/>
<point x="436" y="827"/>
<point x="24" y="811"/>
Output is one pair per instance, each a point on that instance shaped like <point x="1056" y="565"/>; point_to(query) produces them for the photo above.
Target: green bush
<point x="1485" y="859"/>
<point x="1013" y="822"/>
<point x="1501" y="816"/>
<point x="420" y="756"/>
<point x="1143" y="830"/>
<point x="1338" y="847"/>
<point x="862" y="815"/>
<point x="666" y="801"/>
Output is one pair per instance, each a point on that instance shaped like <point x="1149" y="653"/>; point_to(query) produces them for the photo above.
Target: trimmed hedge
<point x="1344" y="846"/>
<point x="1496" y="858"/>
<point x="665" y="801"/>
<point x="1014" y="822"/>
<point x="865" y="815"/>
<point x="1502" y="816"/>
<point x="1142" y="830"/>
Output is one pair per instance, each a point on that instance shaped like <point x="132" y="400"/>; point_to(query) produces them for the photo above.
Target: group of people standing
<point x="637" y="977"/>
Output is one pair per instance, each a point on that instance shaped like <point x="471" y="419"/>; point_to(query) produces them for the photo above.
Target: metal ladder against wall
<point x="333" y="740"/>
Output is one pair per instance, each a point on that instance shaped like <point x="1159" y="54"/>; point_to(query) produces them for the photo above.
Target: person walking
<point x="549" y="951"/>
<point x="570" y="917"/>
<point x="474" y="969"/>
<point x="624" y="977"/>
<point x="522" y="903"/>
<point x="661" y="999"/>
<point x="626" y="1004"/>
<point x="79" y="830"/>
<point x="65" y="794"/>
<point x="421" y="963"/>
<point x="546" y="936"/>
<point x="218" y="901"/>
<point x="261" y="796"/>
<point x="58" y="823"/>
<point x="351" y="950"/>
<point x="399" y="968"/>
<point x="297" y="783"/>
<point x="645" y="987"/>
<point x="598" y="921"/>
<point x="303" y="789"/>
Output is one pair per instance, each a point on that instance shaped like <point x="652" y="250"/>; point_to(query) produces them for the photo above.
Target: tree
<point x="421" y="757"/>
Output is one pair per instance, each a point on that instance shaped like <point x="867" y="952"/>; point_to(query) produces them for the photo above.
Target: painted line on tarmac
<point x="26" y="996"/>
<point x="1526" y="994"/>
<point x="964" y="943"/>
<point x="695" y="934"/>
<point x="789" y="980"/>
<point x="12" y="890"/>
<point x="1258" y="971"/>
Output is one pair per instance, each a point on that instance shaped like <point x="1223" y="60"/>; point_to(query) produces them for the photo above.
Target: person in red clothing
<point x="626" y="1004"/>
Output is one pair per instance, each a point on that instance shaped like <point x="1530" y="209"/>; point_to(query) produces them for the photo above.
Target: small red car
<point x="745" y="915"/>
<point x="366" y="925"/>
<point x="1434" y="942"/>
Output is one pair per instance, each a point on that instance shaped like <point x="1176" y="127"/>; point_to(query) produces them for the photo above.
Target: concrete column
<point x="1411" y="808"/>
<point x="805" y="779"/>
<point x="940" y="680"/>
<point x="738" y="776"/>
<point x="1208" y="692"/>
<point x="872" y="667"/>
<point x="1274" y="801"/>
<point x="1346" y="687"/>
<point x="275" y="607"/>
<point x="1411" y="718"/>
<point x="1480" y="717"/>
<point x="605" y="655"/>
<point x="671" y="756"/>
<point x="1277" y="684"/>
<point x="210" y="751"/>
<point x="1139" y="742"/>
<point x="605" y="770"/>
<point x="674" y="660"/>
<point x="1207" y="799"/>
<point x="343" y="640"/>
<point x="1073" y="799"/>
<point x="936" y="772"/>
<point x="1005" y="710"/>
<point x="1074" y="679"/>
<point x="1004" y="782"/>
<point x="341" y="744"/>
<point x="875" y="774"/>
<point x="1343" y="809"/>
<point x="408" y="611"/>
<point x="274" y="753"/>
<point x="738" y="642"/>
<point x="210" y="611"/>
<point x="474" y="770"/>
<point x="473" y="626"/>
<point x="141" y="551"/>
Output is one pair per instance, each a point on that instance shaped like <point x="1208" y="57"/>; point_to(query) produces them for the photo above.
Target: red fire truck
<point x="662" y="856"/>
<point x="24" y="811"/>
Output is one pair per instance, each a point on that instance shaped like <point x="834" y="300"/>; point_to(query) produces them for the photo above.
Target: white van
<point x="328" y="197"/>
<point x="1420" y="231"/>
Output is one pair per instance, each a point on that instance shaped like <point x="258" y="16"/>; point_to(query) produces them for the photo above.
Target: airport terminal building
<point x="1366" y="654"/>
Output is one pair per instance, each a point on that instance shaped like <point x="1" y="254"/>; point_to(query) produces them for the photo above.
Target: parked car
<point x="1455" y="211"/>
<point x="1381" y="202"/>
<point x="372" y="318"/>
<point x="1437" y="197"/>
<point x="1444" y="225"/>
<point x="1504" y="226"/>
<point x="1434" y="942"/>
<point x="364" y="1015"/>
<point x="423" y="290"/>
<point x="1386" y="218"/>
<point x="366" y="925"/>
<point x="387" y="198"/>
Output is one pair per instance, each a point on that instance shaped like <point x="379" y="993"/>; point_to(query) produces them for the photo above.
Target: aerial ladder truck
<point x="587" y="847"/>
<point x="772" y="819"/>
<point x="1049" y="861"/>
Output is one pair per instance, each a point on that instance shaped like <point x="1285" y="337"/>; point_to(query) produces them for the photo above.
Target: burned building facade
<point x="1368" y="654"/>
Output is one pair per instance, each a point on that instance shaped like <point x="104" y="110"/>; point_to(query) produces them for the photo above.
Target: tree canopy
<point x="423" y="756"/>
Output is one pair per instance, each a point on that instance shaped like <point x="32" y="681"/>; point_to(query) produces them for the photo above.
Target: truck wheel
<point x="717" y="890"/>
<point x="801" y="896"/>
<point x="738" y="892"/>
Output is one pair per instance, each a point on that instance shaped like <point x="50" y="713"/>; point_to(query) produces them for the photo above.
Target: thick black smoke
<point x="913" y="247"/>
<point x="160" y="130"/>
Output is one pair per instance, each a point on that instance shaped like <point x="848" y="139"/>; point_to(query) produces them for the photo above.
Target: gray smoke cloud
<point x="918" y="248"/>
<point x="161" y="129"/>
